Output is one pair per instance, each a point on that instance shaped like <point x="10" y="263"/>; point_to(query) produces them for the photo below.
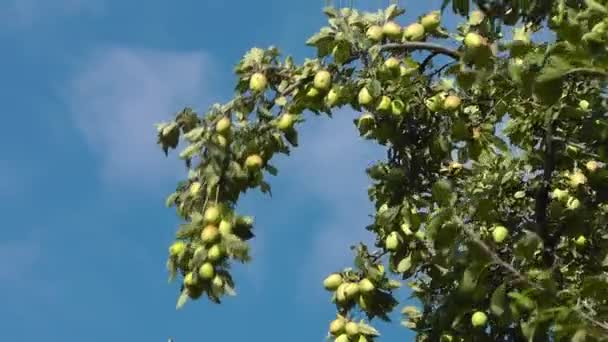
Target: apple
<point x="258" y="82"/>
<point x="431" y="21"/>
<point x="312" y="92"/>
<point x="473" y="41"/>
<point x="322" y="80"/>
<point x="351" y="290"/>
<point x="366" y="286"/>
<point x="392" y="241"/>
<point x="479" y="319"/>
<point x="414" y="32"/>
<point x="363" y="302"/>
<point x="573" y="203"/>
<point x="364" y="97"/>
<point x="189" y="280"/>
<point x="384" y="104"/>
<point x="559" y="194"/>
<point x="581" y="241"/>
<point x="499" y="234"/>
<point x="177" y="248"/>
<point x="446" y="338"/>
<point x="351" y="328"/>
<point x="451" y="103"/>
<point x="212" y="215"/>
<point x="206" y="271"/>
<point x="221" y="140"/>
<point x="195" y="188"/>
<point x="336" y="326"/>
<point x="341" y="294"/>
<point x="392" y="30"/>
<point x="577" y="178"/>
<point x="342" y="338"/>
<point x="583" y="104"/>
<point x="286" y="122"/>
<point x="215" y="253"/>
<point x="225" y="227"/>
<point x="397" y="107"/>
<point x="592" y="166"/>
<point x="392" y="64"/>
<point x="332" y="98"/>
<point x="332" y="282"/>
<point x="223" y="126"/>
<point x="210" y="234"/>
<point x="374" y="33"/>
<point x="476" y="17"/>
<point x="362" y="338"/>
<point x="253" y="162"/>
<point x="217" y="283"/>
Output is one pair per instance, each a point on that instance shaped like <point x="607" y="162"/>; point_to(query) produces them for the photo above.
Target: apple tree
<point x="492" y="203"/>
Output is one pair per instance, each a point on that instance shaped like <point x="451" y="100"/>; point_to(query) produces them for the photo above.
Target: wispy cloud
<point x="26" y="13"/>
<point x="119" y="93"/>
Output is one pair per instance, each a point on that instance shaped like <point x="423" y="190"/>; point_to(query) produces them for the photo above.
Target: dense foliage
<point x="492" y="203"/>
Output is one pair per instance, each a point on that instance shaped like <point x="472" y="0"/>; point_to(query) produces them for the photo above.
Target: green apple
<point x="342" y="338"/>
<point x="392" y="30"/>
<point x="336" y="326"/>
<point x="384" y="105"/>
<point x="559" y="194"/>
<point x="351" y="329"/>
<point x="351" y="290"/>
<point x="366" y="286"/>
<point x="392" y="64"/>
<point x="584" y="105"/>
<point x="195" y="188"/>
<point x="254" y="162"/>
<point x="341" y="294"/>
<point x="215" y="253"/>
<point x="225" y="227"/>
<point x="223" y="126"/>
<point x="473" y="41"/>
<point x="365" y="123"/>
<point x="392" y="241"/>
<point x="476" y="18"/>
<point x="212" y="214"/>
<point x="362" y="338"/>
<point x="577" y="178"/>
<point x="206" y="271"/>
<point x="592" y="166"/>
<point x="221" y="140"/>
<point x="451" y="103"/>
<point x="431" y="21"/>
<point x="397" y="107"/>
<point x="499" y="234"/>
<point x="286" y="122"/>
<point x="573" y="203"/>
<point x="312" y="92"/>
<point x="580" y="241"/>
<point x="374" y="33"/>
<point x="258" y="82"/>
<point x="189" y="280"/>
<point x="332" y="98"/>
<point x="332" y="282"/>
<point x="322" y="80"/>
<point x="177" y="248"/>
<point x="364" y="97"/>
<point x="414" y="32"/>
<point x="479" y="319"/>
<point x="210" y="234"/>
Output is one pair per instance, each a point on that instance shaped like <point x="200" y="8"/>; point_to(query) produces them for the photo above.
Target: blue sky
<point x="84" y="231"/>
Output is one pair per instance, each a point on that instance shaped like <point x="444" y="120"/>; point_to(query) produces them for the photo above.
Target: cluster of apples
<point x="345" y="330"/>
<point x="417" y="31"/>
<point x="443" y="101"/>
<point x="347" y="292"/>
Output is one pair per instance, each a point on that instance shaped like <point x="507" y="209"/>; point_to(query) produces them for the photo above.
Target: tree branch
<point x="412" y="46"/>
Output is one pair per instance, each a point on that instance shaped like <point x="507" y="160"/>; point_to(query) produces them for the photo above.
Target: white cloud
<point x="25" y="13"/>
<point x="117" y="96"/>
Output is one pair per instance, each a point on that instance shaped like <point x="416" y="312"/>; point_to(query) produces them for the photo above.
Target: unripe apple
<point x="336" y="326"/>
<point x="573" y="203"/>
<point x="215" y="253"/>
<point x="384" y="104"/>
<point x="592" y="166"/>
<point x="286" y="122"/>
<point x="476" y="17"/>
<point x="332" y="98"/>
<point x="365" y="123"/>
<point x="223" y="126"/>
<point x="258" y="82"/>
<point x="342" y="338"/>
<point x="177" y="248"/>
<point x="225" y="227"/>
<point x="212" y="215"/>
<point x="332" y="282"/>
<point x="479" y="319"/>
<point x="366" y="286"/>
<point x="341" y="294"/>
<point x="362" y="338"/>
<point x="351" y="328"/>
<point x="473" y="41"/>
<point x="322" y="80"/>
<point x="499" y="234"/>
<point x="221" y="140"/>
<point x="583" y="104"/>
<point x="431" y="21"/>
<point x="374" y="33"/>
<point x="195" y="188"/>
<point x="559" y="194"/>
<point x="581" y="241"/>
<point x="397" y="107"/>
<point x="392" y="241"/>
<point x="414" y="32"/>
<point x="577" y="178"/>
<point x="312" y="92"/>
<point x="210" y="234"/>
<point x="392" y="64"/>
<point x="451" y="103"/>
<point x="206" y="271"/>
<point x="392" y="30"/>
<point x="189" y="280"/>
<point x="364" y="97"/>
<point x="253" y="162"/>
<point x="351" y="290"/>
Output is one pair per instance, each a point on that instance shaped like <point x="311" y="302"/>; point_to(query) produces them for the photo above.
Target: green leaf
<point x="405" y="264"/>
<point x="498" y="300"/>
<point x="183" y="298"/>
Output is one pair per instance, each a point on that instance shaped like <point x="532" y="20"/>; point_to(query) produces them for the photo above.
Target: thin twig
<point x="411" y="46"/>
